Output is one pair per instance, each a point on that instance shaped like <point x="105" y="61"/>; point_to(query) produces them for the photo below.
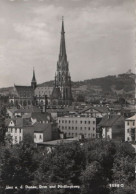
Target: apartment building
<point x="74" y="126"/>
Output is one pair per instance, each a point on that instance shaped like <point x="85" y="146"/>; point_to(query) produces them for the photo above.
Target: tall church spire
<point x="33" y="82"/>
<point x="62" y="94"/>
<point x="62" y="53"/>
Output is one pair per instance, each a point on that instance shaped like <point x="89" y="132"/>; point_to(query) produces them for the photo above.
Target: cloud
<point x="97" y="33"/>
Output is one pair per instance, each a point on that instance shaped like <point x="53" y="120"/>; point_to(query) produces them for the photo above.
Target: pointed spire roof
<point x="62" y="53"/>
<point x="33" y="79"/>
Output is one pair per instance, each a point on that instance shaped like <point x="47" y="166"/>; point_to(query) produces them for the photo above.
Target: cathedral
<point x="24" y="95"/>
<point x="62" y="94"/>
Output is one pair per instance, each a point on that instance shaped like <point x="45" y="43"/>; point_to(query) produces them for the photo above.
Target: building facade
<point x="24" y="95"/>
<point x="130" y="129"/>
<point x="62" y="94"/>
<point x="74" y="126"/>
<point x="112" y="127"/>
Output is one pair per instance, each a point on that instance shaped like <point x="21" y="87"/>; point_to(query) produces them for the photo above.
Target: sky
<point x="100" y="38"/>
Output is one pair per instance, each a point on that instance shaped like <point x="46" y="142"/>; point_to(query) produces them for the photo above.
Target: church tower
<point x="62" y="86"/>
<point x="33" y="82"/>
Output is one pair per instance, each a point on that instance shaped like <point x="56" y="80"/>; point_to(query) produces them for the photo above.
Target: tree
<point x="18" y="165"/>
<point x="62" y="166"/>
<point x="3" y="129"/>
<point x="93" y="180"/>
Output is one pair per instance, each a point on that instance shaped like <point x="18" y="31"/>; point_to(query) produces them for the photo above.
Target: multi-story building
<point x="112" y="127"/>
<point x="41" y="127"/>
<point x="130" y="129"/>
<point x="74" y="126"/>
<point x="15" y="130"/>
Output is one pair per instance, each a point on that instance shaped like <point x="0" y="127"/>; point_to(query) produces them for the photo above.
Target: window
<point x="65" y="121"/>
<point x="88" y="122"/>
<point x="59" y="121"/>
<point x="62" y="121"/>
<point x="81" y="128"/>
<point x="81" y="122"/>
<point x="93" y="128"/>
<point x="85" y="128"/>
<point x="69" y="127"/>
<point x="76" y="128"/>
<point x="128" y="123"/>
<point x="72" y="121"/>
<point x="72" y="127"/>
<point x="133" y="123"/>
<point x="93" y="122"/>
<point x="20" y="138"/>
<point x="69" y="121"/>
<point x="128" y="139"/>
<point x="40" y="136"/>
<point x="85" y="122"/>
<point x="20" y="130"/>
<point x="88" y="128"/>
<point x="75" y="121"/>
<point x="65" y="127"/>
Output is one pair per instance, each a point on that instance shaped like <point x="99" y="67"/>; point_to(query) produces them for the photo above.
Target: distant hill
<point x="122" y="84"/>
<point x="6" y="91"/>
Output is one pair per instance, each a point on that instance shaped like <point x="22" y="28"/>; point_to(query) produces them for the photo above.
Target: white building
<point x="74" y="126"/>
<point x="130" y="129"/>
<point x="16" y="131"/>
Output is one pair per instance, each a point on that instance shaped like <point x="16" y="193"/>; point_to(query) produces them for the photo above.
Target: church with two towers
<point x="61" y="93"/>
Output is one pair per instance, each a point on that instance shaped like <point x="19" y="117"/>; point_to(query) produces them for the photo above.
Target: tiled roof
<point x="109" y="120"/>
<point x="99" y="109"/>
<point x="28" y="110"/>
<point x="21" y="122"/>
<point x="131" y="118"/>
<point x="25" y="91"/>
<point x="7" y="121"/>
<point x="12" y="109"/>
<point x="41" y="116"/>
<point x="40" y="127"/>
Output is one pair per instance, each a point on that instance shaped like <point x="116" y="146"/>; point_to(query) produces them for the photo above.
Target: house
<point x="11" y="111"/>
<point x="39" y="128"/>
<point x="112" y="127"/>
<point x="130" y="129"/>
<point x="15" y="129"/>
<point x="42" y="132"/>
